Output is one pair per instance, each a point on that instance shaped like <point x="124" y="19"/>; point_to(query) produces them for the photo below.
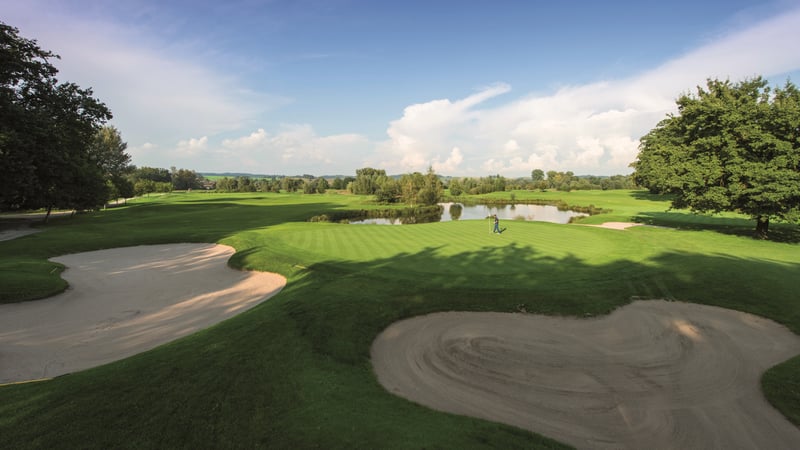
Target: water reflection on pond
<point x="458" y="211"/>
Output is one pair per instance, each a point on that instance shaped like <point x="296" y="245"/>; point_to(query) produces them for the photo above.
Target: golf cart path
<point x="124" y="301"/>
<point x="652" y="374"/>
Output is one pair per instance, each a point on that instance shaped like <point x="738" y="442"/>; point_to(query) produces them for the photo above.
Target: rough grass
<point x="294" y="372"/>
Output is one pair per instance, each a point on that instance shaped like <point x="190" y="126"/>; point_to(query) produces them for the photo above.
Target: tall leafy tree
<point x="410" y="186"/>
<point x="432" y="189"/>
<point x="730" y="147"/>
<point x="46" y="129"/>
<point x="455" y="187"/>
<point x="108" y="150"/>
<point x="183" y="179"/>
<point x="368" y="181"/>
<point x="156" y="174"/>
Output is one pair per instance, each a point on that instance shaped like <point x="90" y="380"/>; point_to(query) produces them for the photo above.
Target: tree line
<point x="426" y="189"/>
<point x="146" y="180"/>
<point x="307" y="184"/>
<point x="412" y="189"/>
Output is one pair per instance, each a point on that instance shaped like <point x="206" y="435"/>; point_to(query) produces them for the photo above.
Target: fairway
<point x="296" y="371"/>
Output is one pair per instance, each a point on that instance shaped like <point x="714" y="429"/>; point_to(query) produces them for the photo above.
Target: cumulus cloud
<point x="296" y="146"/>
<point x="451" y="164"/>
<point x="164" y="97"/>
<point x="592" y="128"/>
<point x="428" y="131"/>
<point x="191" y="147"/>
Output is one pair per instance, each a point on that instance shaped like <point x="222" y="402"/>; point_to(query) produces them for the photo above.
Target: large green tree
<point x="730" y="147"/>
<point x="46" y="130"/>
<point x="368" y="181"/>
<point x="418" y="189"/>
<point x="108" y="150"/>
<point x="432" y="189"/>
<point x="183" y="179"/>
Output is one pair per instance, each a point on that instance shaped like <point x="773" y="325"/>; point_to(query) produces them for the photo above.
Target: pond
<point x="458" y="211"/>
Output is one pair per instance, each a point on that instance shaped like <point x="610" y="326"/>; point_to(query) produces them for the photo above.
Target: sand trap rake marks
<point x="646" y="376"/>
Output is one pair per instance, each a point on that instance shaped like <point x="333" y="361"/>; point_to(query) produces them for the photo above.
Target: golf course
<point x="301" y="368"/>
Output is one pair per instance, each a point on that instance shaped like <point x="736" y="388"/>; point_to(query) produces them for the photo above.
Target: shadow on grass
<point x="778" y="232"/>
<point x="645" y="195"/>
<point x="146" y="224"/>
<point x="294" y="372"/>
<point x="744" y="227"/>
<point x="515" y="278"/>
<point x="217" y="198"/>
<point x="339" y="307"/>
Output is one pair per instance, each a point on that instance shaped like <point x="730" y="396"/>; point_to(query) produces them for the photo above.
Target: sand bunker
<point x="122" y="302"/>
<point x="16" y="232"/>
<point x="653" y="374"/>
<point x="617" y="225"/>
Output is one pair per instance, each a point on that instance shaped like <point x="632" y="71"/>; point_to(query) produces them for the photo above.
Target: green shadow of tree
<point x="386" y="290"/>
<point x="742" y="227"/>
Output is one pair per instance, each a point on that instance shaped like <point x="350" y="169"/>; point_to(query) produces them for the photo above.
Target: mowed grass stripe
<point x="363" y="243"/>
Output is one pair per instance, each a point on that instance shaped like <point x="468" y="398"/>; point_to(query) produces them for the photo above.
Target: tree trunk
<point x="762" y="227"/>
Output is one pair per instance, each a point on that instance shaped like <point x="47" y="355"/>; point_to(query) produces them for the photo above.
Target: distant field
<point x="294" y="372"/>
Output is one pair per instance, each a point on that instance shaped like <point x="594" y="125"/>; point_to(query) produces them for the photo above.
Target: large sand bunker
<point x="653" y="374"/>
<point x="124" y="301"/>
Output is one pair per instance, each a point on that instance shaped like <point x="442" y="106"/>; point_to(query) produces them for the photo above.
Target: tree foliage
<point x="291" y="184"/>
<point x="432" y="189"/>
<point x="368" y="181"/>
<point x="155" y="174"/>
<point x="185" y="179"/>
<point x="730" y="147"/>
<point x="388" y="191"/>
<point x="340" y="183"/>
<point x="108" y="150"/>
<point x="315" y="186"/>
<point x="46" y="132"/>
<point x="247" y="184"/>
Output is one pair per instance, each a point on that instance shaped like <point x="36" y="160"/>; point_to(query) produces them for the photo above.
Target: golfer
<point x="496" y="225"/>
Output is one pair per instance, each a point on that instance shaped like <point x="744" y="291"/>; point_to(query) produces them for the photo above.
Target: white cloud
<point x="296" y="147"/>
<point x="427" y="130"/>
<point x="511" y="147"/>
<point x="161" y="93"/>
<point x="588" y="129"/>
<point x="449" y="165"/>
<point x="191" y="147"/>
<point x="253" y="140"/>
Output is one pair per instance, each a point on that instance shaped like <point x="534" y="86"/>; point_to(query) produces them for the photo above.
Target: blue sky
<point x="471" y="88"/>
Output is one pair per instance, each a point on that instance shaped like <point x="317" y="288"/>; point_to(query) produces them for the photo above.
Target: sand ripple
<point x="653" y="374"/>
